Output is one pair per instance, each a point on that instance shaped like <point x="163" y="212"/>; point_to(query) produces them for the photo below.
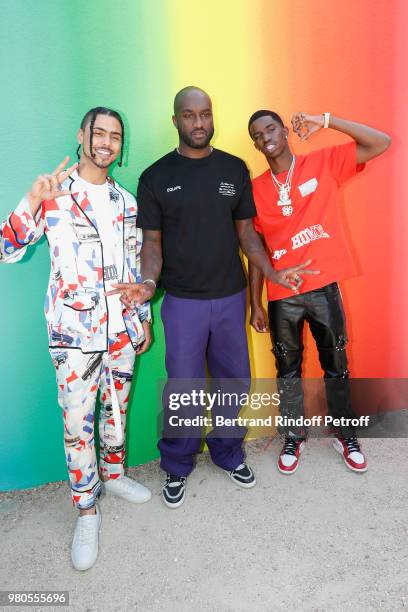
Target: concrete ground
<point x="324" y="539"/>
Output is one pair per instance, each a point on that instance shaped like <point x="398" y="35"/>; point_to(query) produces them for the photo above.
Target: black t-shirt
<point x="195" y="202"/>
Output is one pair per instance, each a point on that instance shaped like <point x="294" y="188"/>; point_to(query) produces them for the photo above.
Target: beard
<point x="187" y="138"/>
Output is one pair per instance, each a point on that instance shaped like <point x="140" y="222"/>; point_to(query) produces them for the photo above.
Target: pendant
<point x="284" y="195"/>
<point x="287" y="208"/>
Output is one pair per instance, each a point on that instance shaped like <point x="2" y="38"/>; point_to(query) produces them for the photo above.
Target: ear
<point x="286" y="131"/>
<point x="80" y="136"/>
<point x="174" y="119"/>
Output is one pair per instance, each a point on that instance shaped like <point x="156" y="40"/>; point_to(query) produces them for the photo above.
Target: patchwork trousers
<point x="79" y="378"/>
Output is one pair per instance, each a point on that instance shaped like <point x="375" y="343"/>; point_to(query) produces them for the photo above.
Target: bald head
<point x="193" y="120"/>
<point x="190" y="95"/>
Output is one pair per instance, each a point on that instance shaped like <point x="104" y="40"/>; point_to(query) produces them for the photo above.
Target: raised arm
<point x="252" y="246"/>
<point x="370" y="142"/>
<point x="48" y="186"/>
<point x="24" y="226"/>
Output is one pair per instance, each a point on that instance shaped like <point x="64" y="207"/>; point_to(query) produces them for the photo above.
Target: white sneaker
<point x="128" y="489"/>
<point x="84" y="550"/>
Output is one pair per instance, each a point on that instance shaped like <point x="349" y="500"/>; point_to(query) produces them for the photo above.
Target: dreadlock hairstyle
<point x="264" y="113"/>
<point x="91" y="116"/>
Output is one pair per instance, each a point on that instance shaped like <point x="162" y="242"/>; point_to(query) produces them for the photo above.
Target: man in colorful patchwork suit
<point x="90" y="225"/>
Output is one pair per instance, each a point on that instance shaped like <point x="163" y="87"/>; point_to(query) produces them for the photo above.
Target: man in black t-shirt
<point x="195" y="209"/>
<point x="193" y="202"/>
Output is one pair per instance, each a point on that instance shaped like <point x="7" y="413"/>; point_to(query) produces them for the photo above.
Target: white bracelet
<point x="150" y="280"/>
<point x="326" y="120"/>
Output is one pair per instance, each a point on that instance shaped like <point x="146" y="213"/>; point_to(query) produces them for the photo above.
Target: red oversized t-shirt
<point x="313" y="230"/>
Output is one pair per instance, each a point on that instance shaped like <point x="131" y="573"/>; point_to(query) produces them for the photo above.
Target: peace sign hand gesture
<point x="305" y="125"/>
<point x="48" y="186"/>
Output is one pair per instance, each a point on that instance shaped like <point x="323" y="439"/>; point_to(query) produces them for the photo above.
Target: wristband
<point x="149" y="280"/>
<point x="326" y="120"/>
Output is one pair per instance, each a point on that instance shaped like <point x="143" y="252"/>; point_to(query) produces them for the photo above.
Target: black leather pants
<point x="323" y="310"/>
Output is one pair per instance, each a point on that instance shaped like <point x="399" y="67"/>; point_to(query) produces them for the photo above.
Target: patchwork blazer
<point x="75" y="303"/>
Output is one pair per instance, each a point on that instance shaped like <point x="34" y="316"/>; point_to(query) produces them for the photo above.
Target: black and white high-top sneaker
<point x="243" y="476"/>
<point x="174" y="490"/>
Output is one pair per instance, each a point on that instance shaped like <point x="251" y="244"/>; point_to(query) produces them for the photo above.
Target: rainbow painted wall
<point x="61" y="58"/>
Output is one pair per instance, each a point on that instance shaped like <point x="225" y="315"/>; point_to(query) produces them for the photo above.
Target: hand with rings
<point x="291" y="278"/>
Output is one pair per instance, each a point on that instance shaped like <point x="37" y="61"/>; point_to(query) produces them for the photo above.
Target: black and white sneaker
<point x="243" y="476"/>
<point x="174" y="491"/>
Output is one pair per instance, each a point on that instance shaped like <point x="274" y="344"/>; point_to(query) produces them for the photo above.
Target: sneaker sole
<point x="244" y="485"/>
<point x="174" y="504"/>
<point x="289" y="473"/>
<point x="336" y="446"/>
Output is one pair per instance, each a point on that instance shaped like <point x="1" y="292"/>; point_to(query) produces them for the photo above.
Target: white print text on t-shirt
<point x="110" y="273"/>
<point x="174" y="188"/>
<point x="313" y="232"/>
<point x="227" y="189"/>
<point x="278" y="254"/>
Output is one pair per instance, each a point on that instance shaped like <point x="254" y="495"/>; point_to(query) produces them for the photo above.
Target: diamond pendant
<point x="287" y="208"/>
<point x="284" y="195"/>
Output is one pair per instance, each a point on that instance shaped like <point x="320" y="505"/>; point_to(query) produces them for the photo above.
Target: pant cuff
<point x="87" y="499"/>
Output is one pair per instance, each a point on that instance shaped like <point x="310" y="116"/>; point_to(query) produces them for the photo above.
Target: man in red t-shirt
<point x="298" y="219"/>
